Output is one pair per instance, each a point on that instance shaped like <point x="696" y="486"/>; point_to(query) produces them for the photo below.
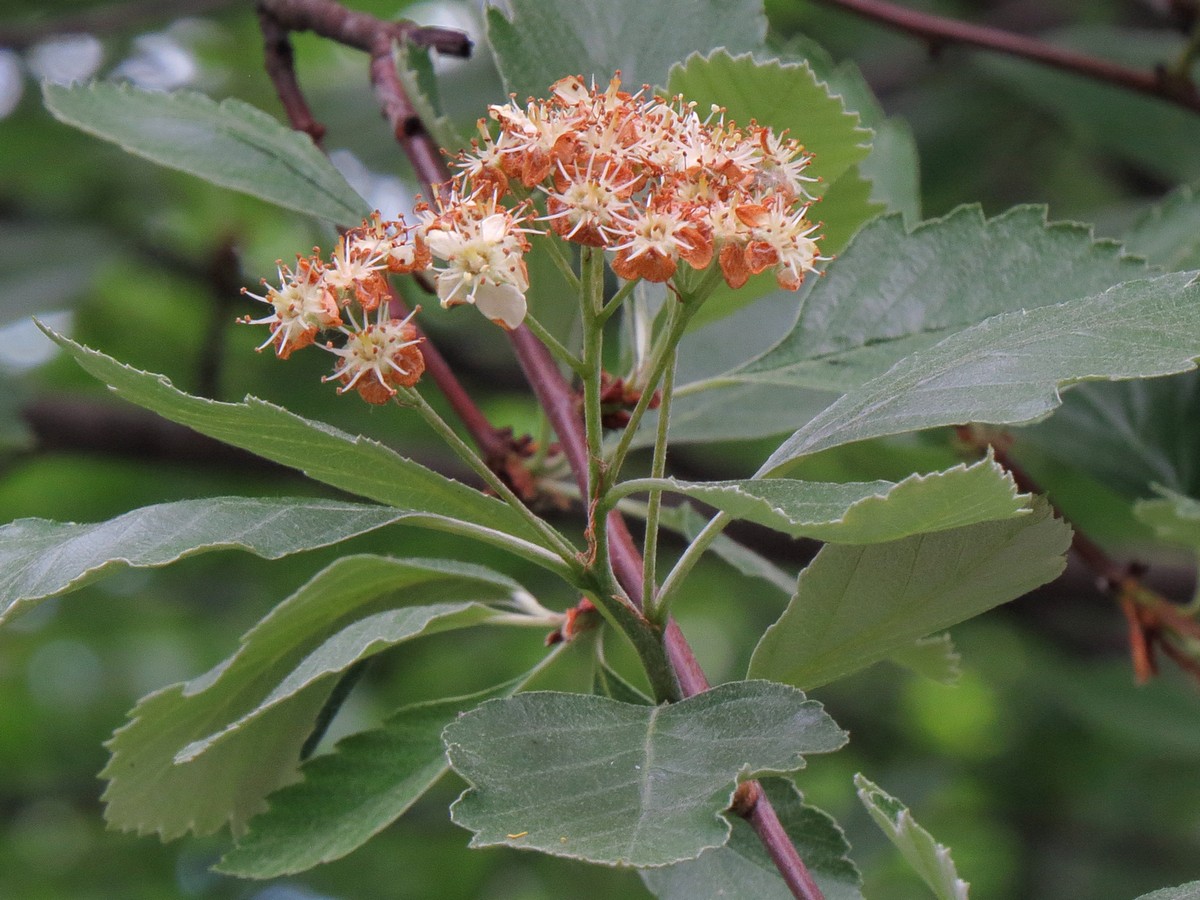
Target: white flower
<point x="485" y="263"/>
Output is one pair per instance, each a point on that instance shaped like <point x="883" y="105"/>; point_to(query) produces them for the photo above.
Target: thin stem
<point x="669" y="662"/>
<point x="617" y="299"/>
<point x="678" y="316"/>
<point x="568" y="570"/>
<point x="658" y="469"/>
<point x="556" y="399"/>
<point x="563" y="264"/>
<point x="618" y="493"/>
<point x="561" y="353"/>
<point x="938" y="32"/>
<point x="660" y="358"/>
<point x="591" y="272"/>
<point x="592" y="269"/>
<point x="688" y="560"/>
<point x="706" y="384"/>
<point x="412" y="397"/>
<point x="280" y="60"/>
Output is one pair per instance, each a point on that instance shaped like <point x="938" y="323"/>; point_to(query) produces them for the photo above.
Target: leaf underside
<point x="928" y="858"/>
<point x="866" y="512"/>
<point x="230" y="144"/>
<point x="855" y="606"/>
<point x="742" y="867"/>
<point x="149" y="791"/>
<point x="41" y="559"/>
<point x="586" y="777"/>
<point x="356" y="464"/>
<point x="350" y="795"/>
<point x="1009" y="369"/>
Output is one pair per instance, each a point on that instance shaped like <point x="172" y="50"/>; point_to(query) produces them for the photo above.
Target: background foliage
<point x="1045" y="769"/>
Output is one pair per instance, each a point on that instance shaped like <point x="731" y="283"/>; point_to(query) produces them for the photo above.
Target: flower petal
<point x="502" y="303"/>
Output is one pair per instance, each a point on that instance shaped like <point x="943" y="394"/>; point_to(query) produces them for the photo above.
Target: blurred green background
<point x="1046" y="770"/>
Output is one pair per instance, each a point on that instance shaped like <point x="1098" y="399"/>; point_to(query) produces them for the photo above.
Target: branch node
<point x="745" y="798"/>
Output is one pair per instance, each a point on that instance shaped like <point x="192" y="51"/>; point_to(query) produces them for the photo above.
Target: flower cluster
<point x="652" y="182"/>
<point x="647" y="180"/>
<point x="379" y="353"/>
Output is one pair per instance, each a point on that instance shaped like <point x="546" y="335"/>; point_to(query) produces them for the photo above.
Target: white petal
<point x="492" y="228"/>
<point x="502" y="303"/>
<point x="451" y="288"/>
<point x="443" y="244"/>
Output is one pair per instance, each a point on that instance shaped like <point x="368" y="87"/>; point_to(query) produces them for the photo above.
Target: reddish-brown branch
<point x="939" y="32"/>
<point x="752" y="805"/>
<point x="406" y="125"/>
<point x="372" y="35"/>
<point x="362" y="31"/>
<point x="281" y="67"/>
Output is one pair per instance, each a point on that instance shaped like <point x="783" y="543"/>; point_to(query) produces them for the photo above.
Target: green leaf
<point x="1175" y="518"/>
<point x="40" y="558"/>
<point x="857" y="605"/>
<point x="230" y="144"/>
<point x="149" y="792"/>
<point x="590" y="778"/>
<point x="933" y="657"/>
<point x="928" y="858"/>
<point x="733" y="412"/>
<point x="742" y="867"/>
<point x="785" y="97"/>
<point x="1189" y="891"/>
<point x="701" y="413"/>
<point x="358" y="640"/>
<point x="355" y="464"/>
<point x="893" y="292"/>
<point x="548" y="39"/>
<point x="863" y="512"/>
<point x="893" y="168"/>
<point x="781" y="96"/>
<point x="1008" y="369"/>
<point x="1137" y="434"/>
<point x="1168" y="234"/>
<point x="844" y="207"/>
<point x="351" y="794"/>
